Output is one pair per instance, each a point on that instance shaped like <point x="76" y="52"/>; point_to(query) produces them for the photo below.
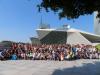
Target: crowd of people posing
<point x="59" y="52"/>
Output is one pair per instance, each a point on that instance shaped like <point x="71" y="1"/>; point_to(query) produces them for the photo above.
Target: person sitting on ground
<point x="14" y="56"/>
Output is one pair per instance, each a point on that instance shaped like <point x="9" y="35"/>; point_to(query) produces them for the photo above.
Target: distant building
<point x="35" y="40"/>
<point x="44" y="26"/>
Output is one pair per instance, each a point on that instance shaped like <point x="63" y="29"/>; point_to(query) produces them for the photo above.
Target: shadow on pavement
<point x="86" y="69"/>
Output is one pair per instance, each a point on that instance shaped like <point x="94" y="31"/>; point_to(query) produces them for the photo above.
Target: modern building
<point x="66" y="35"/>
<point x="35" y="40"/>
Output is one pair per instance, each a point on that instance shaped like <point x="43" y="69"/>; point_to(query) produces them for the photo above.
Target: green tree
<point x="98" y="46"/>
<point x="71" y="9"/>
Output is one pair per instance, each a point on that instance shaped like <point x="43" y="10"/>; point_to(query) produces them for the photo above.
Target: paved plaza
<point x="38" y="67"/>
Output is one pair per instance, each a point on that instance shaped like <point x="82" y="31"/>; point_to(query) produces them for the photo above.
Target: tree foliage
<point x="98" y="46"/>
<point x="71" y="8"/>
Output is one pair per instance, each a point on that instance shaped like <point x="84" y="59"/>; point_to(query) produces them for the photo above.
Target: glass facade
<point x="55" y="37"/>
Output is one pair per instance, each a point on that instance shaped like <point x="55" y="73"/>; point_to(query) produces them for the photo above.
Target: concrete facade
<point x="70" y="36"/>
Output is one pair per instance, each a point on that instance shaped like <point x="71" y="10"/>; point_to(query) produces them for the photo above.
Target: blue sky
<point x="20" y="18"/>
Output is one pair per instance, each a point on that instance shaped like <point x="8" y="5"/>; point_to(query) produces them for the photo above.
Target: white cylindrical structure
<point x="96" y="24"/>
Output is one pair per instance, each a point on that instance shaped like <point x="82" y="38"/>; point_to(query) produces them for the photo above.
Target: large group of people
<point x="19" y="51"/>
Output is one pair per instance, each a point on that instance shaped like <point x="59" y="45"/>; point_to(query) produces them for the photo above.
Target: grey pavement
<point x="31" y="67"/>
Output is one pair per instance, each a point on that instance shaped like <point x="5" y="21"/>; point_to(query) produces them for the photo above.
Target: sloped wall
<point x="76" y="38"/>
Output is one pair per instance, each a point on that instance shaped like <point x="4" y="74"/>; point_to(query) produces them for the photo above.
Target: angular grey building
<point x="64" y="36"/>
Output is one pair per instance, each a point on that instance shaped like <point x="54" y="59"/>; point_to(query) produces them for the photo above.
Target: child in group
<point x="14" y="56"/>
